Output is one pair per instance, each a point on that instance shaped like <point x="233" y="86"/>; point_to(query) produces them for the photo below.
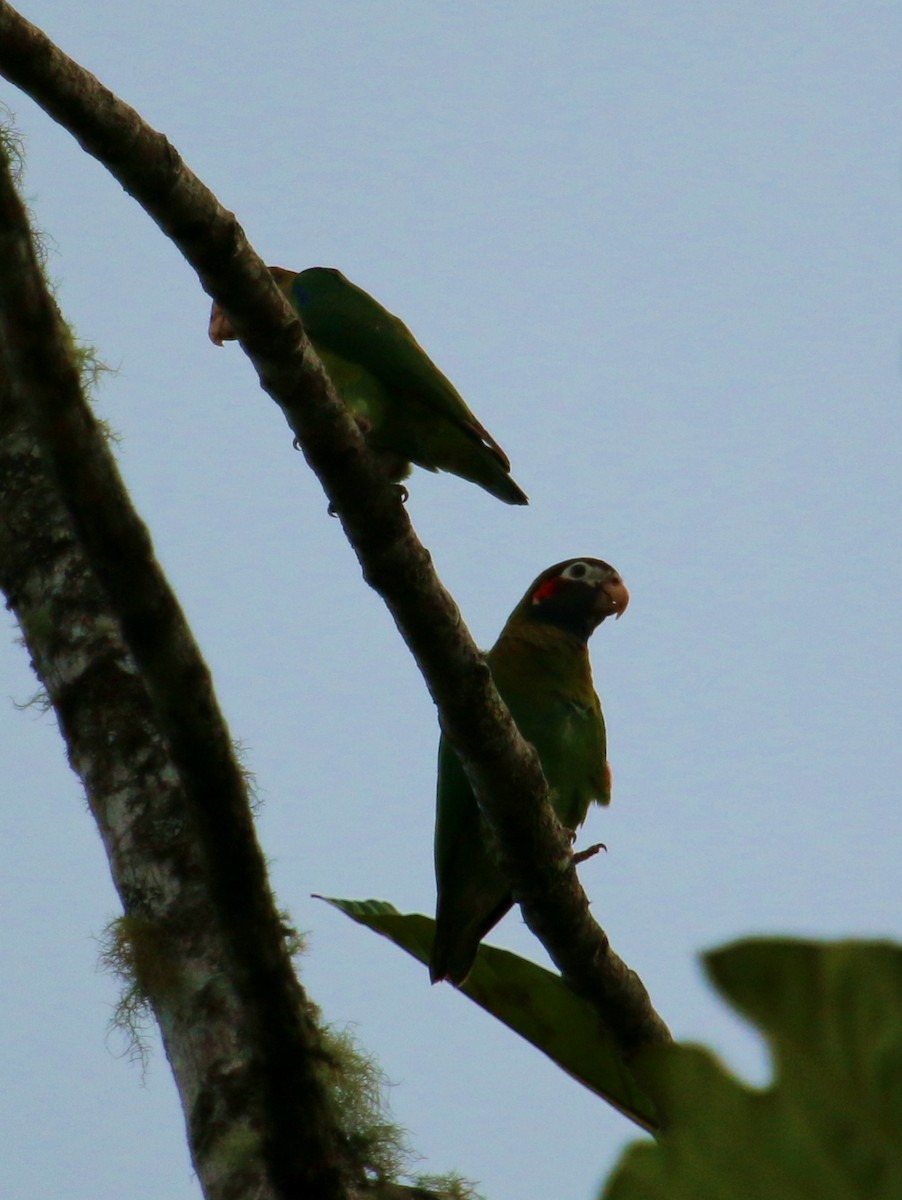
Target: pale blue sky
<point x="656" y="246"/>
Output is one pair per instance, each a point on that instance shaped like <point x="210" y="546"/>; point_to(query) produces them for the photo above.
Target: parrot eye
<point x="577" y="570"/>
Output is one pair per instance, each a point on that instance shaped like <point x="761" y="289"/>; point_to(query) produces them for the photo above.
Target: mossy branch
<point x="144" y="733"/>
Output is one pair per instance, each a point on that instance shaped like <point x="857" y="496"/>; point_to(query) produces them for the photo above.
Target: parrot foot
<point x="589" y="852"/>
<point x="403" y="496"/>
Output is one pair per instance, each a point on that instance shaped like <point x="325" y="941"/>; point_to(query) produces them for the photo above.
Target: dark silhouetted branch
<point x="504" y="770"/>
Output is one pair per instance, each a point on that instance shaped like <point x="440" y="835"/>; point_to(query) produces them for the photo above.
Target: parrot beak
<point x="613" y="597"/>
<point x="220" y="329"/>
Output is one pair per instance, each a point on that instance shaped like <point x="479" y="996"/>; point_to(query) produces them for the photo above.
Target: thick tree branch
<point x="504" y="770"/>
<point x="140" y="807"/>
<point x="210" y="948"/>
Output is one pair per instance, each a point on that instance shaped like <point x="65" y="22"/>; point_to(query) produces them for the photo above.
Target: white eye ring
<point x="577" y="570"/>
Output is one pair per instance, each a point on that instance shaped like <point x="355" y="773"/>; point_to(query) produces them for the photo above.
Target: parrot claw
<point x="590" y="852"/>
<point x="295" y="443"/>
<point x="403" y="496"/>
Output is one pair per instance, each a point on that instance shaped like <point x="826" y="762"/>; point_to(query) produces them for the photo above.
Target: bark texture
<point x="145" y="735"/>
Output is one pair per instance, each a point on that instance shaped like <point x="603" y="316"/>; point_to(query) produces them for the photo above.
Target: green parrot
<point x="540" y="665"/>
<point x="403" y="404"/>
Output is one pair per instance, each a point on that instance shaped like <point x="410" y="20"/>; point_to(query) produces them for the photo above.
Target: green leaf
<point x="829" y="1126"/>
<point x="533" y="1002"/>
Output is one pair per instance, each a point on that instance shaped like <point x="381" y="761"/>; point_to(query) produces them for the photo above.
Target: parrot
<point x="403" y="404"/>
<point x="540" y="666"/>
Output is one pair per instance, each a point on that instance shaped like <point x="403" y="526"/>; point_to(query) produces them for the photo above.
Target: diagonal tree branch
<point x="504" y="771"/>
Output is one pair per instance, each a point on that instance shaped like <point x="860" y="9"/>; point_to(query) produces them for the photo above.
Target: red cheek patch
<point x="548" y="588"/>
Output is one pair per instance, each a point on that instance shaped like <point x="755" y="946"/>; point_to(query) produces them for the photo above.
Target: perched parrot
<point x="540" y="665"/>
<point x="403" y="404"/>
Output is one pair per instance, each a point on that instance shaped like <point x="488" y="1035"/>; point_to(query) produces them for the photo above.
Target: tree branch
<point x="504" y="771"/>
<point x="207" y="941"/>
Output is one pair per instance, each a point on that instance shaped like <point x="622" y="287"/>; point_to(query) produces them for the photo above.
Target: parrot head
<point x="575" y="596"/>
<point x="221" y="329"/>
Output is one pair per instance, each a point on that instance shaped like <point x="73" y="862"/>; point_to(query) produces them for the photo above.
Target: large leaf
<point x="829" y="1126"/>
<point x="530" y="1000"/>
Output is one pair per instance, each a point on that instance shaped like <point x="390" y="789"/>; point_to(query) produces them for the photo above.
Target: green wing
<point x="569" y="737"/>
<point x="547" y="684"/>
<point x="472" y="895"/>
<point x="346" y="320"/>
